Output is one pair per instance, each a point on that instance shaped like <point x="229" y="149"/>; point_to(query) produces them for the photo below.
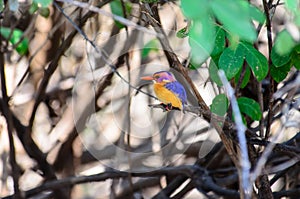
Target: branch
<point x="120" y="19"/>
<point x="33" y="150"/>
<point x="7" y="114"/>
<point x="174" y="62"/>
<point x="264" y="157"/>
<point x="171" y="56"/>
<point x="48" y="74"/>
<point x="137" y="186"/>
<point x="277" y="146"/>
<point x="187" y="170"/>
<point x="271" y="87"/>
<point x="293" y="193"/>
<point x="54" y="63"/>
<point x="101" y="52"/>
<point x="189" y="109"/>
<point x="199" y="176"/>
<point x="209" y="184"/>
<point x="245" y="185"/>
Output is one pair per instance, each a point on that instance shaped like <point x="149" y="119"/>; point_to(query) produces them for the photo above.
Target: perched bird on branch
<point x="168" y="90"/>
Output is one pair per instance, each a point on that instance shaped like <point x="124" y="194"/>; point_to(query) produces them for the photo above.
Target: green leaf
<point x="45" y="12"/>
<point x="42" y="3"/>
<point x="151" y="46"/>
<point x="297" y="49"/>
<point x="201" y="39"/>
<point x="231" y="61"/>
<point x="219" y="105"/>
<point x="249" y="107"/>
<point x="235" y="17"/>
<point x="195" y="9"/>
<point x="213" y="72"/>
<point x="297" y="19"/>
<point x="219" y="41"/>
<point x="22" y="48"/>
<point x="1" y="5"/>
<point x="279" y="60"/>
<point x="33" y="8"/>
<point x="193" y="66"/>
<point x="117" y="9"/>
<point x="296" y="63"/>
<point x="245" y="79"/>
<point x="182" y="33"/>
<point x="284" y="43"/>
<point x="292" y="5"/>
<point x="234" y="40"/>
<point x="256" y="14"/>
<point x="280" y="73"/>
<point x="257" y="61"/>
<point x="295" y="58"/>
<point x="42" y="6"/>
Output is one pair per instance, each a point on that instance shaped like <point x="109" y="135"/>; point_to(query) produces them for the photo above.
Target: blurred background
<point x="73" y="115"/>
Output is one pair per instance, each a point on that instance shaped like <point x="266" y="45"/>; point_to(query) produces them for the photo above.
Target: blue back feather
<point x="178" y="89"/>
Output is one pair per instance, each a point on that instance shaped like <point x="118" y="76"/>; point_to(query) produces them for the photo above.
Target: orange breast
<point x="166" y="96"/>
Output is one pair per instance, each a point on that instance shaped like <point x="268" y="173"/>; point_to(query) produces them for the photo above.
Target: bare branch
<point x="115" y="17"/>
<point x="245" y="185"/>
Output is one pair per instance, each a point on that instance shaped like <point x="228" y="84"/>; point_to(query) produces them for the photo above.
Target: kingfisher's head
<point x="161" y="77"/>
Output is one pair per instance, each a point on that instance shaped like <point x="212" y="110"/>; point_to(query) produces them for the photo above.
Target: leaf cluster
<point x="223" y="32"/>
<point x="16" y="36"/>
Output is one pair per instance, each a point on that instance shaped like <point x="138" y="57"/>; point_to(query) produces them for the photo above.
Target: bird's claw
<point x="168" y="107"/>
<point x="165" y="107"/>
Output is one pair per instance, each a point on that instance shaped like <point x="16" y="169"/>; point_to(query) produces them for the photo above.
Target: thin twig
<point x="268" y="150"/>
<point x="187" y="170"/>
<point x="128" y="150"/>
<point x="176" y="64"/>
<point x="47" y="75"/>
<point x="7" y="114"/>
<point x="246" y="186"/>
<point x="171" y="56"/>
<point x="38" y="49"/>
<point x="199" y="176"/>
<point x="261" y="104"/>
<point x="53" y="65"/>
<point x="101" y="52"/>
<point x="271" y="86"/>
<point x="120" y="19"/>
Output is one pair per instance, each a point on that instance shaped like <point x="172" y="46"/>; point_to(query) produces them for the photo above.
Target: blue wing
<point x="177" y="88"/>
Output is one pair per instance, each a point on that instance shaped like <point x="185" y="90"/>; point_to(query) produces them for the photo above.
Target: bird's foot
<point x="165" y="107"/>
<point x="168" y="107"/>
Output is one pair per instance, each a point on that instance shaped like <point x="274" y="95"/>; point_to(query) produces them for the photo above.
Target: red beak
<point x="147" y="78"/>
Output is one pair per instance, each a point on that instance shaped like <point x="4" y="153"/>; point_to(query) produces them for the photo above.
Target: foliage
<point x="1" y="5"/>
<point x="40" y="6"/>
<point x="120" y="8"/>
<point x="219" y="105"/>
<point x="235" y="18"/>
<point x="151" y="46"/>
<point x="14" y="37"/>
<point x="250" y="107"/>
<point x="224" y="30"/>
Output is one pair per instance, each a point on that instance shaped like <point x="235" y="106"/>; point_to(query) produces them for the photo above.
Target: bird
<point x="168" y="90"/>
